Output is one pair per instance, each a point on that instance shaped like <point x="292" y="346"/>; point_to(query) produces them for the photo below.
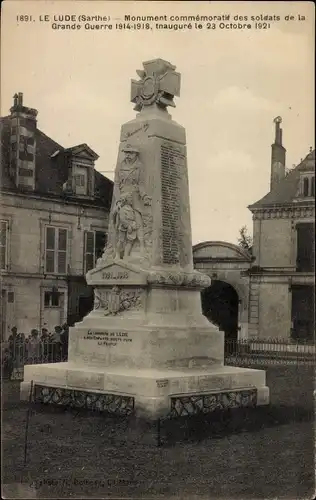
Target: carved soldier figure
<point x="128" y="225"/>
<point x="130" y="201"/>
<point x="131" y="178"/>
<point x="129" y="208"/>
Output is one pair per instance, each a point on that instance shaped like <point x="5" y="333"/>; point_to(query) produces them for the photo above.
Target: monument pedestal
<point x="148" y="393"/>
<point x="144" y="363"/>
<point x="146" y="345"/>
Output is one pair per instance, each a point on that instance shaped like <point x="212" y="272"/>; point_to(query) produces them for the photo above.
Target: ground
<point x="267" y="455"/>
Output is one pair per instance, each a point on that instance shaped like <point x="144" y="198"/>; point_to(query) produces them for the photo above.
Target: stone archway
<point x="220" y="303"/>
<point x="229" y="264"/>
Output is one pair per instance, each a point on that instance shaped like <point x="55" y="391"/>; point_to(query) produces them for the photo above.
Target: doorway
<point x="220" y="305"/>
<point x="85" y="306"/>
<point x="303" y="313"/>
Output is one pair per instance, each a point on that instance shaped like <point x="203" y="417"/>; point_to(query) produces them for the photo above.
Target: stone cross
<point x="158" y="85"/>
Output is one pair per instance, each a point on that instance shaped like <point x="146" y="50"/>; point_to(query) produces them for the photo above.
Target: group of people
<point x="44" y="347"/>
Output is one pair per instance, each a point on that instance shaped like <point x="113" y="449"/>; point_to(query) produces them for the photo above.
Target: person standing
<point x="16" y="354"/>
<point x="56" y="343"/>
<point x="13" y="338"/>
<point x="34" y="348"/>
<point x="64" y="341"/>
<point x="45" y="343"/>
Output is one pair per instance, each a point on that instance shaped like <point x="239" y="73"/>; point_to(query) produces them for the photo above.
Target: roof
<point x="286" y="191"/>
<point x="52" y="168"/>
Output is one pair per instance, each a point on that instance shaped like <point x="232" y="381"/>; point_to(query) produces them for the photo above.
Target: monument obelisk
<point x="147" y="337"/>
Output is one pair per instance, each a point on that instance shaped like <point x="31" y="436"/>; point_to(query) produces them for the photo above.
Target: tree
<point x="245" y="241"/>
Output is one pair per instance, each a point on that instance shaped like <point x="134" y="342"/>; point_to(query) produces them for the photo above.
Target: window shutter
<point x="90" y="183"/>
<point x="50" y="250"/>
<point x="3" y="244"/>
<point x="89" y="251"/>
<point x="62" y="251"/>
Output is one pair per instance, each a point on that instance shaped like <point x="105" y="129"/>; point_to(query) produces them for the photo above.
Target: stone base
<point x="152" y="391"/>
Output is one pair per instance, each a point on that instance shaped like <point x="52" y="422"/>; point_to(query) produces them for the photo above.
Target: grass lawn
<point x="267" y="455"/>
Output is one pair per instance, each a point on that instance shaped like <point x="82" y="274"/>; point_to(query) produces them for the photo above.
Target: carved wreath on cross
<point x="159" y="84"/>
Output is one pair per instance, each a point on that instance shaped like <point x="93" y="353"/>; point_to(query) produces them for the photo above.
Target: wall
<point x="274" y="243"/>
<point x="27" y="310"/>
<point x="24" y="312"/>
<point x="274" y="310"/>
<point x="27" y="219"/>
<point x="27" y="228"/>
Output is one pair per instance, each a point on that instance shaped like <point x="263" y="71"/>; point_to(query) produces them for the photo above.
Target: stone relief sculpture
<point x="128" y="225"/>
<point x="97" y="299"/>
<point x="131" y="176"/>
<point x="117" y="300"/>
<point x="131" y="300"/>
<point x="113" y="303"/>
<point x="194" y="279"/>
<point x="130" y="221"/>
<point x="158" y="84"/>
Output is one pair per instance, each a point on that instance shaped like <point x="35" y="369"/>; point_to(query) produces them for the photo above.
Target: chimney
<point x="22" y="143"/>
<point x="277" y="156"/>
<point x="29" y="114"/>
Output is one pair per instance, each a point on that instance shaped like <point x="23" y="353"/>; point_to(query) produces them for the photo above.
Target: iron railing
<point x="15" y="355"/>
<point x="269" y="351"/>
<point x="237" y="352"/>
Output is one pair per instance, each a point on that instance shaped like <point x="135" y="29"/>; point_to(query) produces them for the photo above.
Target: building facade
<point x="282" y="277"/>
<point x="269" y="293"/>
<point x="54" y="212"/>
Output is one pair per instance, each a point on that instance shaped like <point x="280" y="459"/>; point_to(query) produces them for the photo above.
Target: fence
<point x="237" y="352"/>
<point x="18" y="354"/>
<point x="269" y="351"/>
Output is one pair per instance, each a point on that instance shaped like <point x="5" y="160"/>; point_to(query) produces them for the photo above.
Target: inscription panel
<point x="162" y="383"/>
<point x="172" y="172"/>
<point x="108" y="275"/>
<point x="108" y="338"/>
<point x="115" y="275"/>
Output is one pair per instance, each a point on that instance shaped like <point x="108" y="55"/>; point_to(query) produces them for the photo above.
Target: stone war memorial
<point x="146" y="346"/>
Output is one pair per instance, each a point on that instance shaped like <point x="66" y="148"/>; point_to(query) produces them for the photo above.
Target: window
<point x="94" y="244"/>
<point x="55" y="250"/>
<point x="26" y="172"/>
<point x="305" y="186"/>
<point x="308" y="186"/>
<point x="3" y="244"/>
<point x="305" y="261"/>
<point x="52" y="299"/>
<point x="81" y="180"/>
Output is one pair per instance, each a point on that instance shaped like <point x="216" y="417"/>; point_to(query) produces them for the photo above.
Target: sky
<point x="234" y="82"/>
